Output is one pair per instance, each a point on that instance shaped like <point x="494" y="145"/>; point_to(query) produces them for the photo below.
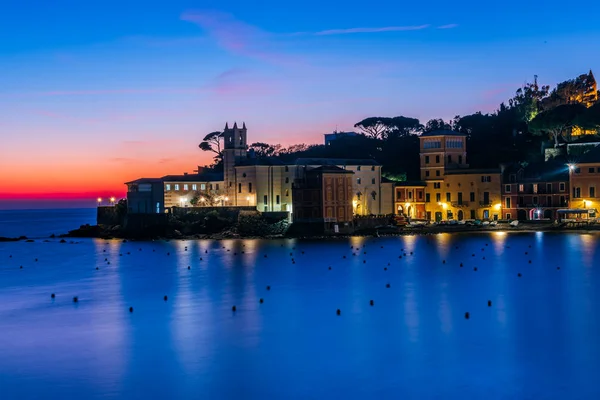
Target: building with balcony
<point x="535" y="191"/>
<point x="409" y="199"/>
<point x="584" y="181"/>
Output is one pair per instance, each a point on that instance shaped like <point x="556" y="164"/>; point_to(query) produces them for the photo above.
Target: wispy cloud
<point x="116" y="91"/>
<point x="237" y="37"/>
<point x="448" y="26"/>
<point x="371" y="30"/>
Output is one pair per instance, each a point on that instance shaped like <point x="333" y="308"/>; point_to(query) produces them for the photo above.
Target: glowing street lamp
<point x="112" y="201"/>
<point x="99" y="200"/>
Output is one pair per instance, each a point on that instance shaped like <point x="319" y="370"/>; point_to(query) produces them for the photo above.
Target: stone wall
<point x="107" y="215"/>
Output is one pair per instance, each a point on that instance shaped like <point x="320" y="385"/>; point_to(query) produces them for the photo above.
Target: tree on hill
<point x="263" y="150"/>
<point x="374" y="127"/>
<point x="436" y="125"/>
<point x="401" y="126"/>
<point x="557" y="121"/>
<point x="589" y="119"/>
<point x="528" y="99"/>
<point x="212" y="142"/>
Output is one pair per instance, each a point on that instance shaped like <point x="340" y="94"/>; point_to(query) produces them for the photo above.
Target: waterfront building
<point x="584" y="180"/>
<point x="323" y="196"/>
<point x="453" y="191"/>
<point x="190" y="190"/>
<point x="145" y="196"/>
<point x="409" y="199"/>
<point x="535" y="191"/>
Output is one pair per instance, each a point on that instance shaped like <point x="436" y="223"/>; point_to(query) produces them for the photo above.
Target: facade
<point x="535" y="192"/>
<point x="145" y="196"/>
<point x="188" y="190"/>
<point x="584" y="179"/>
<point x="409" y="199"/>
<point x="324" y="195"/>
<point x="453" y="191"/>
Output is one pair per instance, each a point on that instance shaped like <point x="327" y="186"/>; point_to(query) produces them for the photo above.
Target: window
<point x="410" y="195"/>
<point x="420" y="195"/>
<point x="249" y="187"/>
<point x="448" y="197"/>
<point x="358" y="181"/>
<point x="535" y="188"/>
<point x="460" y="159"/>
<point x="287" y="192"/>
<point x="576" y="192"/>
<point x="358" y="195"/>
<point x="472" y="196"/>
<point x="472" y="214"/>
<point x="521" y="201"/>
<point x="358" y="168"/>
<point x="562" y="201"/>
<point x="287" y="169"/>
<point x="437" y="173"/>
<point x="265" y="198"/>
<point x="577" y="170"/>
<point x="591" y="170"/>
<point x="449" y="158"/>
<point x="437" y="185"/>
<point x="521" y="188"/>
<point x="244" y="175"/>
<point x="561" y="186"/>
<point x="373" y="168"/>
<point x="186" y="187"/>
<point x="535" y="200"/>
<point x="277" y="199"/>
<point x="230" y="184"/>
<point x="486" y="179"/>
<point x="167" y="187"/>
<point x="549" y="200"/>
<point x="210" y="186"/>
<point x="506" y="188"/>
<point x="287" y="179"/>
<point x="194" y="186"/>
<point x="438" y="197"/>
<point x="507" y="202"/>
<point x="427" y="198"/>
<point x="508" y="215"/>
<point x="373" y="181"/>
<point x="217" y="186"/>
<point x="426" y="159"/>
<point x="592" y="191"/>
<point x="426" y="173"/>
<point x="203" y="186"/>
<point x="239" y="188"/>
<point x="437" y="159"/>
<point x="176" y="186"/>
<point x="374" y="195"/>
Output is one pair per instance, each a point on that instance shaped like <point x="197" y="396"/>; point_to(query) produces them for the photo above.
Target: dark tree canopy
<point x="403" y="126"/>
<point x="212" y="142"/>
<point x="374" y="127"/>
<point x="557" y="121"/>
<point x="436" y="124"/>
<point x="262" y="150"/>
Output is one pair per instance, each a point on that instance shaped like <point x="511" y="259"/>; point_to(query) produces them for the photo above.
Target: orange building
<point x="324" y="196"/>
<point x="409" y="199"/>
<point x="584" y="180"/>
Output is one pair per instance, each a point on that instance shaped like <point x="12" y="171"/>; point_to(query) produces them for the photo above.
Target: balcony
<point x="485" y="203"/>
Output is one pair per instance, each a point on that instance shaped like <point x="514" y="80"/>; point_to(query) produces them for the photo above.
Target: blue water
<point x="43" y="223"/>
<point x="539" y="340"/>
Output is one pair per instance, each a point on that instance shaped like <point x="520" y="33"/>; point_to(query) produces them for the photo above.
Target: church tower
<point x="235" y="147"/>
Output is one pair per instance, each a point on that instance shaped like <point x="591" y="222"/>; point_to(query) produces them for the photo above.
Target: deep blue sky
<point x="96" y="93"/>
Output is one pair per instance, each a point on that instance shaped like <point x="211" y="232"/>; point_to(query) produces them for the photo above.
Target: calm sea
<point x="43" y="223"/>
<point x="537" y="340"/>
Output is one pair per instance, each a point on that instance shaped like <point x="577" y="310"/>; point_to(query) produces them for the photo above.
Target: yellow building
<point x="584" y="181"/>
<point x="191" y="190"/>
<point x="453" y="191"/>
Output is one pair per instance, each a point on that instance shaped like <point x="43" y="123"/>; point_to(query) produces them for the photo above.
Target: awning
<point x="577" y="211"/>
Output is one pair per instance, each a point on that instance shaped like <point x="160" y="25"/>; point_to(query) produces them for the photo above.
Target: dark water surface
<point x="539" y="340"/>
<point x="43" y="223"/>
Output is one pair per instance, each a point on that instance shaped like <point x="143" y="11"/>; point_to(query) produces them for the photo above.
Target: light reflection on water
<point x="538" y="340"/>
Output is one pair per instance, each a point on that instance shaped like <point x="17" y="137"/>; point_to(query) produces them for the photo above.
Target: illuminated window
<point x="167" y="187"/>
<point x="176" y="186"/>
<point x="203" y="186"/>
<point x="194" y="186"/>
<point x="521" y="188"/>
<point x="186" y="187"/>
<point x="535" y="188"/>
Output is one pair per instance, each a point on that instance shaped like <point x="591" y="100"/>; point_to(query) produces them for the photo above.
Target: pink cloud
<point x="238" y="37"/>
<point x="371" y="30"/>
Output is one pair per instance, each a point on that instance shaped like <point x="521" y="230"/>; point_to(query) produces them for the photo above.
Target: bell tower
<point x="235" y="147"/>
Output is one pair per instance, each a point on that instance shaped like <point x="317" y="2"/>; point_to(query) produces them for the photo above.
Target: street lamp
<point x="99" y="200"/>
<point x="112" y="201"/>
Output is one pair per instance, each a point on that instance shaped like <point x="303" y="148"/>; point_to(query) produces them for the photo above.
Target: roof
<point x="550" y="171"/>
<point x="144" y="180"/>
<point x="411" y="183"/>
<point x="330" y="169"/>
<point x="259" y="161"/>
<point x="204" y="177"/>
<point x="442" y="132"/>
<point x="471" y="171"/>
<point x="340" y="134"/>
<point x="335" y="161"/>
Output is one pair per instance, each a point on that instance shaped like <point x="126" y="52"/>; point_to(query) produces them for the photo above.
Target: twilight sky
<point x="93" y="94"/>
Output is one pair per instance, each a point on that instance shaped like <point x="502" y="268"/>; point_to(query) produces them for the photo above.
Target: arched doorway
<point x="522" y="215"/>
<point x="400" y="210"/>
<point x="460" y="215"/>
<point x="548" y="214"/>
<point x="409" y="211"/>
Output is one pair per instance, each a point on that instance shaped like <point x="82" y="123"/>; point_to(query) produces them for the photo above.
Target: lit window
<point x="535" y="188"/>
<point x="176" y="186"/>
<point x="186" y="187"/>
<point x="521" y="188"/>
<point x="167" y="187"/>
<point x="194" y="186"/>
<point x="358" y="181"/>
<point x="203" y="186"/>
